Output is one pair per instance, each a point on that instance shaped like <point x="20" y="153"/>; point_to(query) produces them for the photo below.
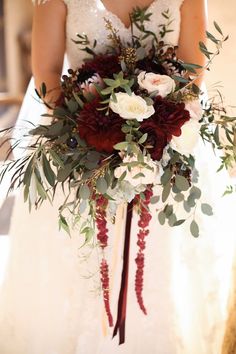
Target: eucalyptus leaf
<point x="101" y="185"/>
<point x="48" y="172"/>
<point x="194" y="229"/>
<point x="155" y="199"/>
<point x="181" y="183"/>
<point x="206" y="209"/>
<point x="64" y="172"/>
<point x="179" y="222"/>
<point x="179" y="197"/>
<point x="172" y="220"/>
<point x="166" y="192"/>
<point x="165" y="178"/>
<point x="63" y="224"/>
<point x="168" y="210"/>
<point x="162" y="217"/>
<point x="84" y="192"/>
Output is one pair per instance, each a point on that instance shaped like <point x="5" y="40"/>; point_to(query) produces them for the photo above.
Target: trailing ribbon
<point x="122" y="303"/>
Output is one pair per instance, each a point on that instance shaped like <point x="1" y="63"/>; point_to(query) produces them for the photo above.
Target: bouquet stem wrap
<point x="122" y="303"/>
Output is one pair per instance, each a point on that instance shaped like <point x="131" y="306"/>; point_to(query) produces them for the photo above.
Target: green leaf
<point x="168" y="210"/>
<point x="195" y="192"/>
<point x="217" y="27"/>
<point x="212" y="38"/>
<point x="122" y="177"/>
<point x="49" y="173"/>
<point x="155" y="199"/>
<point x="181" y="183"/>
<point x="101" y="185"/>
<point x="179" y="197"/>
<point x="121" y="146"/>
<point x="73" y="106"/>
<point x="78" y="100"/>
<point x="109" y="82"/>
<point x="84" y="192"/>
<point x="43" y="89"/>
<point x="194" y="229"/>
<point x="28" y="172"/>
<point x="166" y="192"/>
<point x="172" y="220"/>
<point x="206" y="209"/>
<point x="180" y="79"/>
<point x="63" y="224"/>
<point x="64" y="172"/>
<point x="191" y="201"/>
<point x="83" y="206"/>
<point x="179" y="222"/>
<point x="56" y="158"/>
<point x="143" y="138"/>
<point x="187" y="208"/>
<point x="162" y="218"/>
<point x="107" y="91"/>
<point x="165" y="178"/>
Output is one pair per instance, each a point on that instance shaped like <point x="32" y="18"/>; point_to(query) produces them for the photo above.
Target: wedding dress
<point x="50" y="301"/>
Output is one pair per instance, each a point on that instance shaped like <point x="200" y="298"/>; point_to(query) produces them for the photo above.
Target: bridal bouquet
<point x="124" y="130"/>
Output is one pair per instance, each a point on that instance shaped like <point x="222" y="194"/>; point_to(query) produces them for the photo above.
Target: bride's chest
<point x="87" y="17"/>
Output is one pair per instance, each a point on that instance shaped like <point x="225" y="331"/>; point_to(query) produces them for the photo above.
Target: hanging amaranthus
<point x="102" y="237"/>
<point x="143" y="223"/>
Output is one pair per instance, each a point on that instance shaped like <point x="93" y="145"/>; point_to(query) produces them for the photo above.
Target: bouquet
<point x="127" y="121"/>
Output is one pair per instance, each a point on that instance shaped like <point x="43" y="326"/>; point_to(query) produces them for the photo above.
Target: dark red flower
<point x="156" y="138"/>
<point x="99" y="130"/>
<point x="167" y="121"/>
<point x="104" y="65"/>
<point x="170" y="116"/>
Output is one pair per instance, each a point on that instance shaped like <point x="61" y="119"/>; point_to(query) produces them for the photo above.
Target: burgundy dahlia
<point x="170" y="116"/>
<point x="156" y="138"/>
<point x="99" y="130"/>
<point x="167" y="121"/>
<point x="104" y="65"/>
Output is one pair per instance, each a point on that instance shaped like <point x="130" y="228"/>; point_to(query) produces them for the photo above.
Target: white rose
<point x="131" y="107"/>
<point x="187" y="141"/>
<point x="151" y="175"/>
<point x="155" y="82"/>
<point x="195" y="109"/>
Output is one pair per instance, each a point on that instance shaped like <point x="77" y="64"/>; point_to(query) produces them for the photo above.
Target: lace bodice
<point x="87" y="16"/>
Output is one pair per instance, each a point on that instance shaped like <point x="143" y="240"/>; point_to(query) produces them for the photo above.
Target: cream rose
<point x="151" y="82"/>
<point x="150" y="175"/>
<point x="195" y="109"/>
<point x="187" y="141"/>
<point x="131" y="107"/>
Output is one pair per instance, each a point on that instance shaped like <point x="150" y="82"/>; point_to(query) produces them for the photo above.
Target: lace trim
<point x="41" y="2"/>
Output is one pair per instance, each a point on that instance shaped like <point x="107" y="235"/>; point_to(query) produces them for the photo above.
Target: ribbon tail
<point x="122" y="303"/>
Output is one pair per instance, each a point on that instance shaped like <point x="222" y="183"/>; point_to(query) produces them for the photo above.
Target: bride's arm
<point x="192" y="31"/>
<point x="48" y="45"/>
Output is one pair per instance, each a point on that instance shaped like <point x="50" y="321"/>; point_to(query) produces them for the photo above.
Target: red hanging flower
<point x="102" y="237"/>
<point x="144" y="220"/>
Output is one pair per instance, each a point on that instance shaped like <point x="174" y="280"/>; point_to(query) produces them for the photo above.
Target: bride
<point x="49" y="301"/>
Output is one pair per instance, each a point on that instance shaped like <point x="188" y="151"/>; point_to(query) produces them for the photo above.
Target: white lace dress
<point x="50" y="302"/>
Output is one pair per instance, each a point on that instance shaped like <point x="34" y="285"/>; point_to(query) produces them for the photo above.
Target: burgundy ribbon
<point x="122" y="303"/>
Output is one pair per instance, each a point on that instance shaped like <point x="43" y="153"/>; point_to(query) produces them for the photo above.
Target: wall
<point x="17" y="16"/>
<point x="224" y="67"/>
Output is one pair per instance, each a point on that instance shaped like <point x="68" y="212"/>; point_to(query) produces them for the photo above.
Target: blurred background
<point x="15" y="69"/>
